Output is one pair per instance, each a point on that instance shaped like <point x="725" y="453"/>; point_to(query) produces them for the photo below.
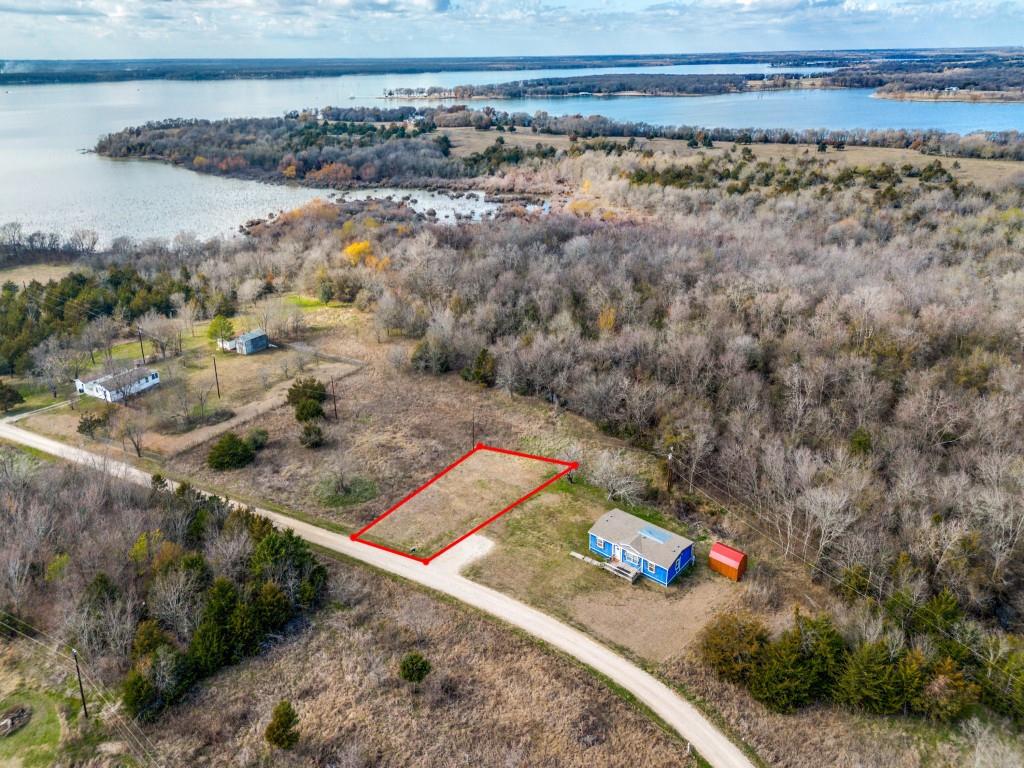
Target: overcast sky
<point x="357" y="28"/>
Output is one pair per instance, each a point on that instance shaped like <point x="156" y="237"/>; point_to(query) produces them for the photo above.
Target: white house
<point x="117" y="386"/>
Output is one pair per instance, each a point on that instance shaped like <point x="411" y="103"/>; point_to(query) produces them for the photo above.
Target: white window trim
<point x="598" y="541"/>
<point x="651" y="567"/>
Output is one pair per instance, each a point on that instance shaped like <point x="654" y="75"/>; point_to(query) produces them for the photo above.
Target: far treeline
<point x="15" y="72"/>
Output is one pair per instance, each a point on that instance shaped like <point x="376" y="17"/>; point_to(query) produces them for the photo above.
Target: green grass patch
<point x="35" y="745"/>
<point x="333" y="492"/>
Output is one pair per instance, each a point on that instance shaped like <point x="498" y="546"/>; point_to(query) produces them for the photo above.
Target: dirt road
<point x="444" y="576"/>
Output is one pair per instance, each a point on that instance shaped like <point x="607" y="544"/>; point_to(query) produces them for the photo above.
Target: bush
<point x="778" y="679"/>
<point x="281" y="731"/>
<point x="141" y="698"/>
<point x="732" y="645"/>
<point x="257" y="439"/>
<point x="306" y="389"/>
<point x="414" y="668"/>
<point x="90" y="423"/>
<point x="869" y="681"/>
<point x="148" y="637"/>
<point x="312" y="435"/>
<point x="230" y="452"/>
<point x="947" y="694"/>
<point x="483" y="369"/>
<point x="9" y="397"/>
<point x="308" y="410"/>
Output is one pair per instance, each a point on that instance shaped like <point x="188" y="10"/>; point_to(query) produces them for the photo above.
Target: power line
<point x="135" y="736"/>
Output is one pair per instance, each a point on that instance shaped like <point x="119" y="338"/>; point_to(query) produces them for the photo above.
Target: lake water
<point x="48" y="183"/>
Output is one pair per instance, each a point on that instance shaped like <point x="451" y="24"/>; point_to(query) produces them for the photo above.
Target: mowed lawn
<point x="475" y="489"/>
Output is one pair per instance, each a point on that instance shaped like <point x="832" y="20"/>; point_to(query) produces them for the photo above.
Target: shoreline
<point x="953" y="97"/>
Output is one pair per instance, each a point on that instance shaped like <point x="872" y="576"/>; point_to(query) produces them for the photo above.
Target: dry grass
<point x="491" y="699"/>
<point x="987" y="173"/>
<point x="44" y="273"/>
<point x="473" y="490"/>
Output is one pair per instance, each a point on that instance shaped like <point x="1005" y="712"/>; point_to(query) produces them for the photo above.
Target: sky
<point x="47" y="29"/>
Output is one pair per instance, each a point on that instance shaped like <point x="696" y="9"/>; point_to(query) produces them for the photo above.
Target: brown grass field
<point x="481" y="485"/>
<point x="492" y="698"/>
<point x="986" y="173"/>
<point x="41" y="272"/>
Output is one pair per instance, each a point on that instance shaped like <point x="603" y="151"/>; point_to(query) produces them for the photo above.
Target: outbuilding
<point x="629" y="541"/>
<point x="252" y="342"/>
<point x="727" y="561"/>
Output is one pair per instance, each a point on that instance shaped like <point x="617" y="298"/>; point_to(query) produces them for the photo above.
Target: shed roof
<point x="654" y="544"/>
<point x="726" y="554"/>
<point x="251" y="335"/>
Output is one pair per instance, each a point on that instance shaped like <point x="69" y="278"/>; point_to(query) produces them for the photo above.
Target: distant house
<point x="657" y="554"/>
<point x="251" y="342"/>
<point x="113" y="387"/>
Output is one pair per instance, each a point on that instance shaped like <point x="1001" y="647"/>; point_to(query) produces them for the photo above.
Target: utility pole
<point x="334" y="397"/>
<point x="81" y="690"/>
<point x="473" y="443"/>
<point x="142" y="348"/>
<point x="216" y="377"/>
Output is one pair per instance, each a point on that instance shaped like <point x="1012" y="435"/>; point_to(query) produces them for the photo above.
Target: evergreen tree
<point x="732" y="644"/>
<point x="911" y="676"/>
<point x="948" y="693"/>
<point x="780" y="680"/>
<point x="281" y="731"/>
<point x="869" y="681"/>
<point x="823" y="653"/>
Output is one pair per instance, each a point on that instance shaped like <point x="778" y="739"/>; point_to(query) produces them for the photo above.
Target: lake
<point x="49" y="184"/>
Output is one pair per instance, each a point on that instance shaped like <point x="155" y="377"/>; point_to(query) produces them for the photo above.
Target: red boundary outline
<point x="569" y="467"/>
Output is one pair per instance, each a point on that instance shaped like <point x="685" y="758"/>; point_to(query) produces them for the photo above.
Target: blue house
<point x="252" y="342"/>
<point x="655" y="553"/>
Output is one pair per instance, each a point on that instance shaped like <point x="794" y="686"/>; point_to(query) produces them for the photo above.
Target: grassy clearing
<point x="465" y="496"/>
<point x="37" y="744"/>
<point x="42" y="273"/>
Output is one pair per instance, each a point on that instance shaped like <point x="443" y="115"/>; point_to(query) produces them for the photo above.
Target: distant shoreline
<point x="966" y="97"/>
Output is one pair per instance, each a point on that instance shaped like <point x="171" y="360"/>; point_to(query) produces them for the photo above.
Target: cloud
<point x="147" y="28"/>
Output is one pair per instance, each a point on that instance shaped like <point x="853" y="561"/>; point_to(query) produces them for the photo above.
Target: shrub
<point x="90" y="423"/>
<point x="273" y="607"/>
<point x="281" y="731"/>
<point x="483" y="369"/>
<point x="230" y="452"/>
<point x="140" y="697"/>
<point x="312" y="435"/>
<point x="732" y="645"/>
<point x="148" y="637"/>
<point x="9" y="397"/>
<point x="257" y="439"/>
<point x="344" y="491"/>
<point x="414" y="668"/>
<point x="947" y="694"/>
<point x="308" y="410"/>
<point x="869" y="681"/>
<point x="778" y="679"/>
<point x="306" y="389"/>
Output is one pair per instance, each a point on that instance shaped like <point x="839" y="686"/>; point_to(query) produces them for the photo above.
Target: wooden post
<point x="142" y="348"/>
<point x="216" y="377"/>
<point x="81" y="690"/>
<point x="334" y="397"/>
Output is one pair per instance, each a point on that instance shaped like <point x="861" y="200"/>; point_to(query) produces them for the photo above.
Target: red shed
<point x="727" y="561"/>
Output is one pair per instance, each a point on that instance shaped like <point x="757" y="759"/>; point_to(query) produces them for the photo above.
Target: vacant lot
<point x="479" y="486"/>
<point x="492" y="698"/>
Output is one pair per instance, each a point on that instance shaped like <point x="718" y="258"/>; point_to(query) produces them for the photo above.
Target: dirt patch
<point x="479" y="486"/>
<point x="654" y="622"/>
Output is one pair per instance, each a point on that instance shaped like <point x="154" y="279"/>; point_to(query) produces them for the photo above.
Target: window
<point x="630" y="557"/>
<point x="599" y="542"/>
<point x="651" y="567"/>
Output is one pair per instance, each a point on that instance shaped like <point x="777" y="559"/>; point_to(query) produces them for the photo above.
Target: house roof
<point x="651" y="542"/>
<point x="726" y="554"/>
<point x="113" y="382"/>
<point x="251" y="335"/>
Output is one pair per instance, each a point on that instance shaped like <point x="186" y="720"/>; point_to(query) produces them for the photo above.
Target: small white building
<point x="113" y="387"/>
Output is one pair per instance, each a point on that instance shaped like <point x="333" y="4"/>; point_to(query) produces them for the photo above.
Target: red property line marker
<point x="569" y="467"/>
